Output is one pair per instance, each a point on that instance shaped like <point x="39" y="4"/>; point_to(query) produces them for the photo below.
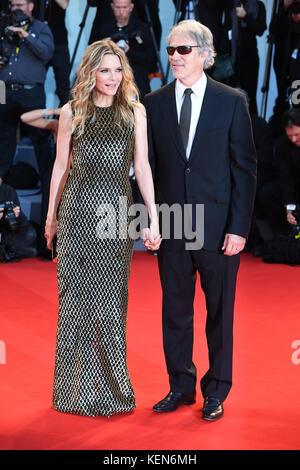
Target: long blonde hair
<point x="82" y="104"/>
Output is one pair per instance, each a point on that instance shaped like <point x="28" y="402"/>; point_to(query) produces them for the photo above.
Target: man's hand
<point x="240" y="11"/>
<point x="290" y="218"/>
<point x="20" y="31"/>
<point x="17" y="211"/>
<point x="233" y="244"/>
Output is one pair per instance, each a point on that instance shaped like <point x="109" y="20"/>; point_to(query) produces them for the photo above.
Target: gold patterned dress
<point x="94" y="256"/>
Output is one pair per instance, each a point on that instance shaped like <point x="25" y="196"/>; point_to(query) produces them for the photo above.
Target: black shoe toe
<point x="212" y="409"/>
<point x="173" y="400"/>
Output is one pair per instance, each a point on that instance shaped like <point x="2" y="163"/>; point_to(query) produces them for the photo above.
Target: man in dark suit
<point x="207" y="159"/>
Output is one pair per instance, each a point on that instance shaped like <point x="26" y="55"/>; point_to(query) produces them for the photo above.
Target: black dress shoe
<point x="212" y="409"/>
<point x="173" y="400"/>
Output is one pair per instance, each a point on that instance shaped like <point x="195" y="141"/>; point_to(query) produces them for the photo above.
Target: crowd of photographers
<point x="34" y="37"/>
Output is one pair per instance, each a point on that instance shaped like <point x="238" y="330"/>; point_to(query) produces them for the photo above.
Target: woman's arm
<point x="60" y="171"/>
<point x="39" y="118"/>
<point x="143" y="176"/>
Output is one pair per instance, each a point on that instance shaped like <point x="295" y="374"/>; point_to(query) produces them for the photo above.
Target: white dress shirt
<point x="197" y="99"/>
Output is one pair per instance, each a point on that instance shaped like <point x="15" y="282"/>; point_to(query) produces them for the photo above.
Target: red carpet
<point x="262" y="411"/>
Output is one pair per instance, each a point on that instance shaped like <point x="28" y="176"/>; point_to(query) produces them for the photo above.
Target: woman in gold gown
<point x="101" y="131"/>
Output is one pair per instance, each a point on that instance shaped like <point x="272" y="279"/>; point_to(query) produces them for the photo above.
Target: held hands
<point x="233" y="244"/>
<point x="50" y="232"/>
<point x="151" y="237"/>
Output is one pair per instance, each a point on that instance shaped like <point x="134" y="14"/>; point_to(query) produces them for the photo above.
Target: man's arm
<point x="243" y="163"/>
<point x="40" y="42"/>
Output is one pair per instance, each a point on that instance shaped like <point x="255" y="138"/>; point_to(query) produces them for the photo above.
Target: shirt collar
<point x="198" y="87"/>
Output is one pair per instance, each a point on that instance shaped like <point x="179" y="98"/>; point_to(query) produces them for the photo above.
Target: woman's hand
<point x="50" y="231"/>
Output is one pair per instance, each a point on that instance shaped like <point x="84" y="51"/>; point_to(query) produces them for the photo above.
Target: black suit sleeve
<point x="243" y="163"/>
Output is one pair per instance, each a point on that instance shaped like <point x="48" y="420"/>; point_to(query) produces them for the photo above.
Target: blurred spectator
<point x="24" y="72"/>
<point x="54" y="12"/>
<point x="264" y="146"/>
<point x="104" y="13"/>
<point x="246" y="21"/>
<point x="43" y="119"/>
<point x="285" y="27"/>
<point x="17" y="236"/>
<point x="134" y="37"/>
<point x="208" y="12"/>
<point x="279" y="197"/>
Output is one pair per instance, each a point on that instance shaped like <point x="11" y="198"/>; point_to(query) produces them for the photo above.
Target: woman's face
<point x="109" y="75"/>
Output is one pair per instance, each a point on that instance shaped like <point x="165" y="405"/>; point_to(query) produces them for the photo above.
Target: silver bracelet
<point x="44" y="113"/>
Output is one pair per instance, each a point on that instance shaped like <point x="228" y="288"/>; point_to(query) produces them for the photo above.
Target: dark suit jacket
<point x="221" y="170"/>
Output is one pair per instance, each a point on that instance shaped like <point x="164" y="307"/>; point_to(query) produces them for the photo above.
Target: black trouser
<point x="178" y="272"/>
<point x="17" y="103"/>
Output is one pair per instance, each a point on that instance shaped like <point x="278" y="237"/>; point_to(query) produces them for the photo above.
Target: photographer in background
<point x="104" y="13"/>
<point x="285" y="27"/>
<point x="54" y="13"/>
<point x="26" y="50"/>
<point x="134" y="37"/>
<point x="280" y="197"/>
<point x="17" y="236"/>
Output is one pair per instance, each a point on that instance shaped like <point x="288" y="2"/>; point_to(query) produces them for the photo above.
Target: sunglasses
<point x="182" y="50"/>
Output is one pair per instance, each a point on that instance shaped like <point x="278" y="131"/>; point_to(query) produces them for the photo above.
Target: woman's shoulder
<point x="66" y="110"/>
<point x="139" y="110"/>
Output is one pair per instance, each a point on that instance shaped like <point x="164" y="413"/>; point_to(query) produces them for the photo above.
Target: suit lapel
<point x="206" y="117"/>
<point x="169" y="110"/>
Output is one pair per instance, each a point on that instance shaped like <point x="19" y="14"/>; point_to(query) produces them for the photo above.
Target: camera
<point x="9" y="217"/>
<point x="17" y="19"/>
<point x="6" y="255"/>
<point x="20" y="20"/>
<point x="121" y="38"/>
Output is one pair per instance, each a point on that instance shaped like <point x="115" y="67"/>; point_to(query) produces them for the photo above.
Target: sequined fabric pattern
<point x="91" y="376"/>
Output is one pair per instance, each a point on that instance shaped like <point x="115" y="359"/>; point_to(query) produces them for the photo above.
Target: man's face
<point x="26" y="7"/>
<point x="293" y="134"/>
<point x="187" y="68"/>
<point x="122" y="10"/>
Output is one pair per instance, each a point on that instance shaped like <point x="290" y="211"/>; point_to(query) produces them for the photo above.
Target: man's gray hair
<point x="200" y="34"/>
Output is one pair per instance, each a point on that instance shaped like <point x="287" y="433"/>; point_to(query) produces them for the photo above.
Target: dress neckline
<point x="103" y="107"/>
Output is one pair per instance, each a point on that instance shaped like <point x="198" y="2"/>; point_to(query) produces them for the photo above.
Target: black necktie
<point x="185" y="116"/>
